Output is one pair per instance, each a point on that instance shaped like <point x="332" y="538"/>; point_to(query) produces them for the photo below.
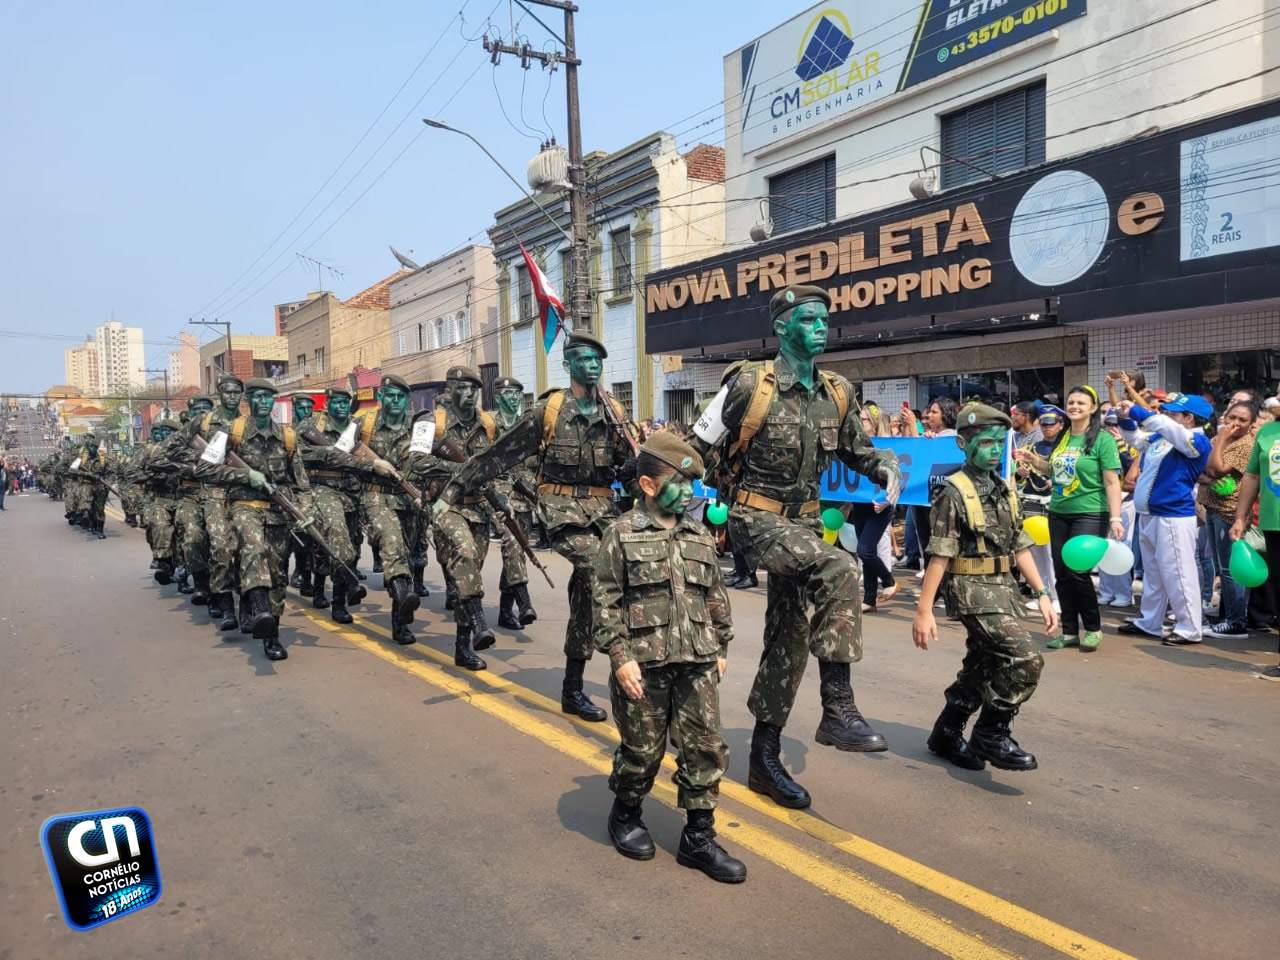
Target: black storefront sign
<point x="1100" y="233"/>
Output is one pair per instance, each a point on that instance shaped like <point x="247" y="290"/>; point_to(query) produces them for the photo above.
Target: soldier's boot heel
<point x="98" y="528"/>
<point x="699" y="850"/>
<point x="319" y="599"/>
<point x="947" y="739"/>
<point x="184" y="583"/>
<point x="843" y="725"/>
<point x="262" y="622"/>
<point x="338" y="612"/>
<point x="351" y="586"/>
<point x="230" y="621"/>
<point x="464" y="655"/>
<point x="506" y="618"/>
<point x="305" y="586"/>
<point x="481" y="634"/>
<point x="767" y="775"/>
<point x="377" y="559"/>
<point x="215" y="606"/>
<point x="271" y="645"/>
<point x="164" y="572"/>
<point x="403" y="603"/>
<point x="527" y="614"/>
<point x="200" y="596"/>
<point x="992" y="742"/>
<point x="629" y="834"/>
<point x="572" y="699"/>
<point x="420" y="588"/>
<point x="246" y="614"/>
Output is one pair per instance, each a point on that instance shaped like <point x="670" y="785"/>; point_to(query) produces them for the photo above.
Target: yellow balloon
<point x="1037" y="529"/>
<point x="830" y="535"/>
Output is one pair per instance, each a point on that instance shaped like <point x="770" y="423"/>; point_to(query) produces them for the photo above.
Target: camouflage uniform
<point x="514" y="567"/>
<point x="178" y="458"/>
<point x="801" y="436"/>
<point x="217" y="517"/>
<point x="1002" y="666"/>
<point x="89" y="496"/>
<point x="260" y="527"/>
<point x="336" y="487"/>
<point x="160" y="489"/>
<point x="392" y="524"/>
<point x="659" y="600"/>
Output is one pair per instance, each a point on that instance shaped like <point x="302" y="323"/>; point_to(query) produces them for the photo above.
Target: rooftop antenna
<point x="404" y="261"/>
<point x="323" y="265"/>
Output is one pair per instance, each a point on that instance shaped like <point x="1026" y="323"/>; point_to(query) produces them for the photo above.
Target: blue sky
<point x="154" y="149"/>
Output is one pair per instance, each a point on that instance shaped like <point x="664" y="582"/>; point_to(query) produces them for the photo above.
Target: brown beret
<point x="462" y="372"/>
<point x="795" y="294"/>
<point x="391" y="380"/>
<point x="508" y="383"/>
<point x="584" y="340"/>
<point x="670" y="449"/>
<point x="260" y="383"/>
<point x="979" y="415"/>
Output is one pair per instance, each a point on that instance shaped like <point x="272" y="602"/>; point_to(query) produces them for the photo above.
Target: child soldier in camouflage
<point x="976" y="536"/>
<point x="661" y="613"/>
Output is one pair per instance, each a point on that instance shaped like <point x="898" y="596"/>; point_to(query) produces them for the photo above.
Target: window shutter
<point x="1000" y="135"/>
<point x="804" y="196"/>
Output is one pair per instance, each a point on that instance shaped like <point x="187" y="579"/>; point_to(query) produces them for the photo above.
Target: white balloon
<point x="1117" y="560"/>
<point x="848" y="537"/>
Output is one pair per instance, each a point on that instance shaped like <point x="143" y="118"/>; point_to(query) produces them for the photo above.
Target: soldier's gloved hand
<point x="440" y="508"/>
<point x="257" y="479"/>
<point x="384" y="468"/>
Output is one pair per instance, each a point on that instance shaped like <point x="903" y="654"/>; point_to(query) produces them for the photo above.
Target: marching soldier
<point x="781" y="424"/>
<point x="217" y="519"/>
<point x="580" y="454"/>
<point x="160" y="490"/>
<point x="304" y="559"/>
<point x="130" y="491"/>
<point x="976" y="536"/>
<point x="179" y="458"/>
<point x="520" y="489"/>
<point x="91" y="496"/>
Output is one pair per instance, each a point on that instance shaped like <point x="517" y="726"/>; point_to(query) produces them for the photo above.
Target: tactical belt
<point x="977" y="566"/>
<point x="580" y="490"/>
<point x="330" y="474"/>
<point x="256" y="504"/>
<point x="382" y="488"/>
<point x="466" y="500"/>
<point x="190" y="484"/>
<point x="158" y="491"/>
<point x="758" y="502"/>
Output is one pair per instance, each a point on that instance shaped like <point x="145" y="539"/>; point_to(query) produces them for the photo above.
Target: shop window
<point x="999" y="135"/>
<point x="1223" y="372"/>
<point x="680" y="405"/>
<point x="932" y="387"/>
<point x="525" y="301"/>
<point x="1003" y="386"/>
<point x="804" y="196"/>
<point x="1038" y="383"/>
<point x="622" y="393"/>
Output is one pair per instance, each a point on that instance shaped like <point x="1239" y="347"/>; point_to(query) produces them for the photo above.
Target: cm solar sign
<point x="838" y="57"/>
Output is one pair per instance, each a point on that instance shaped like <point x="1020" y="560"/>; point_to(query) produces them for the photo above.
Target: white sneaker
<point x="1121" y="602"/>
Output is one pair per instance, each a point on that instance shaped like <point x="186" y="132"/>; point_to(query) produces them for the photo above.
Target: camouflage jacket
<point x="323" y="462"/>
<point x="801" y="436"/>
<point x="177" y="458"/>
<point x="264" y="451"/>
<point x="391" y="444"/>
<point x="219" y="421"/>
<point x="153" y="471"/>
<point x="950" y="535"/>
<point x="102" y="466"/>
<point x="435" y="472"/>
<point x="522" y="473"/>
<point x="659" y="596"/>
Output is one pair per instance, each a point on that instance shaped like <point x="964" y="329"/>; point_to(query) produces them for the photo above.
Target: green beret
<point x="230" y="378"/>
<point x="331" y="392"/>
<point x="584" y="340"/>
<point x="260" y="383"/>
<point x="193" y="401"/>
<point x="462" y="372"/>
<point x="302" y="398"/>
<point x="980" y="415"/>
<point x="670" y="449"/>
<point x="508" y="383"/>
<point x="391" y="380"/>
<point x="795" y="294"/>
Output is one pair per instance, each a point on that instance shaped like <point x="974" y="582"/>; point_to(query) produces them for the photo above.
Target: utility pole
<point x="581" y="300"/>
<point x="217" y="323"/>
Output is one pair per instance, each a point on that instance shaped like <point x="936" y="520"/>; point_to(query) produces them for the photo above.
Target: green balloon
<point x="717" y="513"/>
<point x="1225" y="487"/>
<point x="1082" y="553"/>
<point x="1247" y="566"/>
<point x="832" y="518"/>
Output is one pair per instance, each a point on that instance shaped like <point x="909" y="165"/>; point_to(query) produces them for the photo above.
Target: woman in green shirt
<point x="1085" y="468"/>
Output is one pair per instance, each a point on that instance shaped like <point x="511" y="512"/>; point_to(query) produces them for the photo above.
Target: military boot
<point x="271" y="645"/>
<point x="215" y="604"/>
<point x="261" y="620"/>
<point x="991" y="741"/>
<point x="302" y="575"/>
<point x="629" y="834"/>
<point x="200" y="597"/>
<point x="184" y="581"/>
<point x="947" y="739"/>
<point x="377" y="558"/>
<point x="132" y="520"/>
<point x="450" y="592"/>
<point x="98" y="526"/>
<point x="765" y="772"/>
<point x="699" y="850"/>
<point x="419" y="587"/>
<point x="572" y="699"/>
<point x="164" y="571"/>
<point x="229" y="619"/>
<point x="154" y="563"/>
<point x="338" y="612"/>
<point x="506" y="617"/>
<point x="843" y="726"/>
<point x="464" y="654"/>
<point x="318" y="598"/>
<point x="481" y="635"/>
<point x="527" y="613"/>
<point x="246" y="614"/>
<point x="403" y="603"/>
<point x="356" y="591"/>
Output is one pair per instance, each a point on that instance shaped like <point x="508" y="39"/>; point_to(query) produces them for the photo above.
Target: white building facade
<point x="121" y="358"/>
<point x="82" y="368"/>
<point x="184" y="363"/>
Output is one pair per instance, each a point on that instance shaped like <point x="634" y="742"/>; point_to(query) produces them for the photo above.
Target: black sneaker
<point x="1227" y="631"/>
<point x="1131" y="629"/>
<point x="1270" y="673"/>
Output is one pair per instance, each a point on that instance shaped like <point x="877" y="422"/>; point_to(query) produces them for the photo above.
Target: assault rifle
<point x="615" y="422"/>
<point x="362" y="450"/>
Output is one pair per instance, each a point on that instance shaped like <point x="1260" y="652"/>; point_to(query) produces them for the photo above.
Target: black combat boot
<point x="527" y="613"/>
<point x="215" y="604"/>
<point x="261" y="621"/>
<point x="450" y="592"/>
<point x="403" y="603"/>
<point x="506" y="617"/>
<point x="572" y="699"/>
<point x="842" y="725"/>
<point x="154" y="563"/>
<point x="98" y="526"/>
<point x="246" y="614"/>
<point x="419" y="587"/>
<point x="339" y="613"/>
<point x="302" y="576"/>
<point x="356" y="591"/>
<point x="318" y="598"/>
<point x="481" y="635"/>
<point x="200" y="596"/>
<point x="271" y="645"/>
<point x="629" y="834"/>
<point x="184" y="581"/>
<point x="377" y="558"/>
<point x="947" y="739"/>
<point x="699" y="850"/>
<point x="464" y="654"/>
<point x="992" y="742"/>
<point x="765" y="772"/>
<point x="164" y="571"/>
<point x="71" y="519"/>
<point x="229" y="619"/>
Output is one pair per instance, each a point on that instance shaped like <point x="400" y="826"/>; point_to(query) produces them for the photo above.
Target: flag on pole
<point x="550" y="309"/>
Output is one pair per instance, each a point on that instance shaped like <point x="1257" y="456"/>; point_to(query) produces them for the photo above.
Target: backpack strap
<point x="322" y="421"/>
<point x="490" y="426"/>
<point x="290" y="442"/>
<point x="367" y="426"/>
<point x="974" y="513"/>
<point x="205" y="421"/>
<point x="753" y="419"/>
<point x="550" y="415"/>
<point x="441" y="418"/>
<point x="839" y="393"/>
<point x="238" y="427"/>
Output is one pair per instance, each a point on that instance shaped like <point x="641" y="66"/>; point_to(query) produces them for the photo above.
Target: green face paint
<point x="983" y="450"/>
<point x="201" y="408"/>
<point x="230" y="395"/>
<point x="91" y="446"/>
<point x="674" y="494"/>
<point x="303" y="407"/>
<point x="510" y="400"/>
<point x="804" y="331"/>
<point x="260" y="404"/>
<point x="584" y="366"/>
<point x="394" y="403"/>
<point x="463" y="395"/>
<point x="339" y="409"/>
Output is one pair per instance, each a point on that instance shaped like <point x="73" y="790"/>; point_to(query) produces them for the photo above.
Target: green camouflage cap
<point x="463" y="372"/>
<point x="980" y="415"/>
<point x="584" y="340"/>
<point x="795" y="294"/>
<point x="260" y="383"/>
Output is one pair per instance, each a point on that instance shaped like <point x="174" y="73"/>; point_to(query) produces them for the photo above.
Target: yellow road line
<point x="856" y="890"/>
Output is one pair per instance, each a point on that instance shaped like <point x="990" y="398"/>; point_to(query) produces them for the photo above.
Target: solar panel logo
<point x="827" y="48"/>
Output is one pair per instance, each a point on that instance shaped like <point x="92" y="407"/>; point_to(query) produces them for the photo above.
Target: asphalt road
<point x="28" y="437"/>
<point x="360" y="799"/>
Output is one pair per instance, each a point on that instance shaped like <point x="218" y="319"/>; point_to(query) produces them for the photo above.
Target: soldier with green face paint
<point x="776" y="427"/>
<point x="304" y="555"/>
<point x="179" y="458"/>
<point x="976" y="538"/>
<point x="91" y="497"/>
<point x="520" y="489"/>
<point x="217" y="519"/>
<point x="160" y="491"/>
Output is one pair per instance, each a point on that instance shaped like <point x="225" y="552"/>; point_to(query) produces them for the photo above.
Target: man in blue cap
<point x="1175" y="451"/>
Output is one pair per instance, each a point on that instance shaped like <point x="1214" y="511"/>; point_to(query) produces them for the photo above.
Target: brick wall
<point x="705" y="162"/>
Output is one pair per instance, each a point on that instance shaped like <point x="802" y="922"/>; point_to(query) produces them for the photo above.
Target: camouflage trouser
<point x="421" y="541"/>
<point x="262" y="536"/>
<point x="189" y="518"/>
<point x="391" y="531"/>
<point x="132" y="505"/>
<point x="222" y="540"/>
<point x="74" y="499"/>
<point x="96" y="503"/>
<point x="335" y="514"/>
<point x="803" y="570"/>
<point x="514" y="569"/>
<point x="161" y="520"/>
<point x="579" y="545"/>
<point x="1002" y="666"/>
<point x="680" y="698"/>
<point x="461" y="546"/>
